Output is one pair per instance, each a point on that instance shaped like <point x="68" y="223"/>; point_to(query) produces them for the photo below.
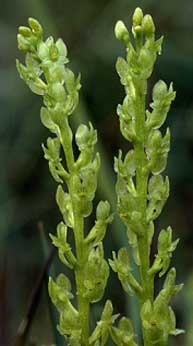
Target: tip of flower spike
<point x="121" y="32"/>
<point x="137" y="16"/>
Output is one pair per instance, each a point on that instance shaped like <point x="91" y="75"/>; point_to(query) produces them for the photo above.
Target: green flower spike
<point x="141" y="189"/>
<point x="46" y="74"/>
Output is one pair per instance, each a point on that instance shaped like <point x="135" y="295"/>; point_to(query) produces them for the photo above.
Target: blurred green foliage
<point x="27" y="192"/>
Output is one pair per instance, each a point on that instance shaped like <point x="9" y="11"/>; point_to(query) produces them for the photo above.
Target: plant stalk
<point x="83" y="304"/>
<point x="141" y="186"/>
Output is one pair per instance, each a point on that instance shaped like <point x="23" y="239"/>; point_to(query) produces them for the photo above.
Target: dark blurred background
<point x="28" y="211"/>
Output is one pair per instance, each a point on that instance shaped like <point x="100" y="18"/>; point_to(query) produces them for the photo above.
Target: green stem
<point x="83" y="304"/>
<point x="141" y="186"/>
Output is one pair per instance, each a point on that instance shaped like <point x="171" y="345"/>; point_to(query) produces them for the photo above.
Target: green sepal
<point x="126" y="117"/>
<point x="85" y="138"/>
<point x="72" y="84"/>
<point x="122" y="68"/>
<point x="162" y="98"/>
<point x="123" y="335"/>
<point x="69" y="326"/>
<point x="96" y="274"/>
<point x="97" y="233"/>
<point x="158" y="320"/>
<point x="59" y="103"/>
<point x="36" y="84"/>
<point x="157" y="149"/>
<point x="64" y="250"/>
<point x="28" y="43"/>
<point x="101" y="333"/>
<point x="60" y="291"/>
<point x="85" y="185"/>
<point x="54" y="172"/>
<point x="32" y="65"/>
<point x="64" y="202"/>
<point x="158" y="192"/>
<point x="35" y="27"/>
<point x="128" y="166"/>
<point x="125" y="170"/>
<point x="47" y="121"/>
<point x="122" y="33"/>
<point x="127" y="207"/>
<point x="52" y="152"/>
<point x="121" y="265"/>
<point x="51" y="53"/>
<point x="165" y="248"/>
<point x="132" y="239"/>
<point x="169" y="288"/>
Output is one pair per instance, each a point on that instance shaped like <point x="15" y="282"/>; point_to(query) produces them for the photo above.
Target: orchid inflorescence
<point x="141" y="189"/>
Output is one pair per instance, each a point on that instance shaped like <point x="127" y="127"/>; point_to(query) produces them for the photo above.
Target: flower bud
<point x="35" y="26"/>
<point x="159" y="90"/>
<point x="148" y="26"/>
<point x="121" y="32"/>
<point x="25" y="31"/>
<point x="103" y="210"/>
<point x="137" y="16"/>
<point x="82" y="135"/>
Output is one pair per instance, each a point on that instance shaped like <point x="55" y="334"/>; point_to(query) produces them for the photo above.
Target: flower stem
<point x="83" y="304"/>
<point x="141" y="186"/>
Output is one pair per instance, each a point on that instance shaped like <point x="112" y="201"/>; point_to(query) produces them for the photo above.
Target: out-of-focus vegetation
<point x="27" y="192"/>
